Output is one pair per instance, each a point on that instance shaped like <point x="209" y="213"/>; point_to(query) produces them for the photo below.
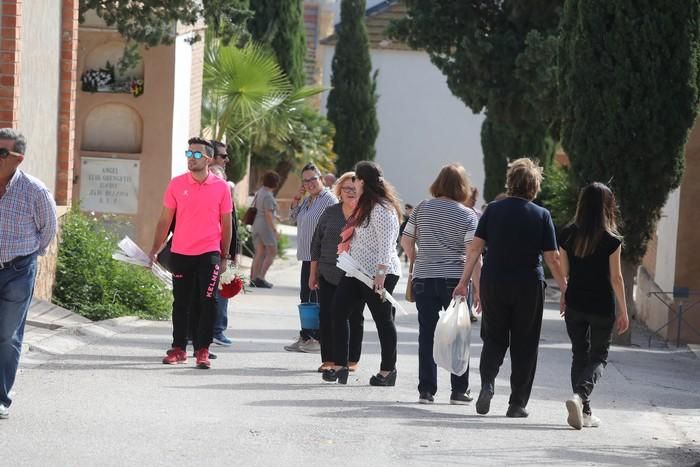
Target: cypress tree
<point x="280" y="23"/>
<point x="352" y="100"/>
<point x="629" y="80"/>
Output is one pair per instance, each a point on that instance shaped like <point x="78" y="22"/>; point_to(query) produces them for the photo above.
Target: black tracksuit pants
<point x="195" y="279"/>
<point x="512" y="316"/>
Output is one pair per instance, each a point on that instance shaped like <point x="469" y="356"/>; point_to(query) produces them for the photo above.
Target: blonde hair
<point x="452" y="182"/>
<point x="337" y="187"/>
<point x="523" y="178"/>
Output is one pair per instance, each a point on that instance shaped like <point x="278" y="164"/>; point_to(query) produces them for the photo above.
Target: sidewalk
<point x="111" y="402"/>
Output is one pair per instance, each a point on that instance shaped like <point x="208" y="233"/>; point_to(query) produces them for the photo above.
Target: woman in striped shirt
<point x="325" y="275"/>
<point x="443" y="227"/>
<point x="306" y="213"/>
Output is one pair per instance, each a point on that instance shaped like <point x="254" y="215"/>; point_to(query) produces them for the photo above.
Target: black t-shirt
<point x="589" y="289"/>
<point x="516" y="232"/>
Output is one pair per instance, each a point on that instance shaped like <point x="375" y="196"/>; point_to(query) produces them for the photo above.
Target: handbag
<point x="165" y="256"/>
<point x="409" y="285"/>
<point x="251" y="212"/>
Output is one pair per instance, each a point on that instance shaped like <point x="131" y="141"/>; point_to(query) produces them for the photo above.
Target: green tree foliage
<point x="499" y="57"/>
<point x="629" y="79"/>
<point x="150" y="22"/>
<point x="91" y="283"/>
<point x="353" y="98"/>
<point x="280" y="23"/>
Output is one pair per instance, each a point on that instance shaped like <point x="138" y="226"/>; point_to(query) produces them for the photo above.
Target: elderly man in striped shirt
<point x="27" y="226"/>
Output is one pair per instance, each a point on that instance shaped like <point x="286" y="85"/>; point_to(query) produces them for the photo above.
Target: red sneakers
<point x="202" y="356"/>
<point x="175" y="356"/>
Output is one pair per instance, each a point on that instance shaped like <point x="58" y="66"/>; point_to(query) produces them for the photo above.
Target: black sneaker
<point x="262" y="284"/>
<point x="425" y="398"/>
<point x="461" y="399"/>
<point x="483" y="403"/>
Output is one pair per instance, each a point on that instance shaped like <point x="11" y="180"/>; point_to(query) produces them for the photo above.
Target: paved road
<point x="112" y="403"/>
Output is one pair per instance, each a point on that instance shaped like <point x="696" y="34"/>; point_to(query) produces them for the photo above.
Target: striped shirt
<point x="443" y="229"/>
<point x="324" y="246"/>
<point x="27" y="217"/>
<point x="306" y="216"/>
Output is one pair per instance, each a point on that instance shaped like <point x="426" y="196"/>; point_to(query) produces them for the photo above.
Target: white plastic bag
<point x="452" y="338"/>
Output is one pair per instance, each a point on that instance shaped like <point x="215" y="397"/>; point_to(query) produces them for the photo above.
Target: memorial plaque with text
<point x="109" y="185"/>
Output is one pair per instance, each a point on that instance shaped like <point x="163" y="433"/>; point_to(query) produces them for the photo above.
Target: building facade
<point x="38" y="73"/>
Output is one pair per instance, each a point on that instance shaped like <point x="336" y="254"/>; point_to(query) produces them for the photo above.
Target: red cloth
<point x="345" y="237"/>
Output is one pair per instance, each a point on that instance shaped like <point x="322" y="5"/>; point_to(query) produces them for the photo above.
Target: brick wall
<point x="66" y="110"/>
<point x="10" y="43"/>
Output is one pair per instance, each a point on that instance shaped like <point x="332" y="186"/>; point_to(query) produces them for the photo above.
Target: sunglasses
<point x="348" y="189"/>
<point x="195" y="154"/>
<point x="310" y="180"/>
<point x="354" y="179"/>
<point x="4" y="153"/>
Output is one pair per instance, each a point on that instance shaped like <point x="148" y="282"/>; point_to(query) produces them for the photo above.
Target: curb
<point x="66" y="339"/>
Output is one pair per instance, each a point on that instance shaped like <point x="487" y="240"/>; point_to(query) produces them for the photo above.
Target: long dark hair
<point x="596" y="214"/>
<point x="375" y="190"/>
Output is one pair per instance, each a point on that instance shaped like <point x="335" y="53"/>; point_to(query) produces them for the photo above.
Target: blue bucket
<point x="309" y="314"/>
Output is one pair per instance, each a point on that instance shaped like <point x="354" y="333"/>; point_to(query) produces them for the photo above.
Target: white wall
<point x="181" y="103"/>
<point x="667" y="234"/>
<point x="422" y="125"/>
<point x="39" y="87"/>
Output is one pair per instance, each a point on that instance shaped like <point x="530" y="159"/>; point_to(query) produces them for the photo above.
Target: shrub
<point x="558" y="195"/>
<point x="92" y="284"/>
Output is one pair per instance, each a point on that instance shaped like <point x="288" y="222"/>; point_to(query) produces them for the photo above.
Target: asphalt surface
<point x="111" y="402"/>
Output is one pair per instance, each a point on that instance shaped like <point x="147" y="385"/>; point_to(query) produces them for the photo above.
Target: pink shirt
<point x="198" y="209"/>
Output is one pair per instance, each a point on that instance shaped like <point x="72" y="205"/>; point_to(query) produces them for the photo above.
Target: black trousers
<point x="349" y="294"/>
<point x="512" y="316"/>
<point x="195" y="279"/>
<point x="433" y="295"/>
<point x="305" y="296"/>
<point x="356" y="319"/>
<point x="590" y="336"/>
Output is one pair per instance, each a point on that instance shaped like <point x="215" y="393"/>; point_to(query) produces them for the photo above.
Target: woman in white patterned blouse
<point x="373" y="245"/>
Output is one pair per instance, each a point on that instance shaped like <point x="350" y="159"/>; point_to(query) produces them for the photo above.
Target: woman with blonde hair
<point x="590" y="255"/>
<point x="371" y="241"/>
<point x="325" y="275"/>
<point x="443" y="227"/>
<point x="517" y="233"/>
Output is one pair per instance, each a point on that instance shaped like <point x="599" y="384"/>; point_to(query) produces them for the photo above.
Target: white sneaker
<point x="575" y="408"/>
<point x="294" y="346"/>
<point x="591" y="421"/>
<point x="4" y="411"/>
<point x="310" y="346"/>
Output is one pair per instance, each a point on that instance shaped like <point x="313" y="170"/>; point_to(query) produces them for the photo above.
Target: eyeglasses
<point x="310" y="180"/>
<point x="195" y="154"/>
<point x="4" y="153"/>
<point x="348" y="189"/>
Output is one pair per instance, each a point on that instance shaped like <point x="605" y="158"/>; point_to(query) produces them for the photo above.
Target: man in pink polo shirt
<point x="201" y="204"/>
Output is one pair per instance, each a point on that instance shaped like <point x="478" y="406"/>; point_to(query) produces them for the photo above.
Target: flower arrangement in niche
<point x="96" y="80"/>
<point x="231" y="283"/>
<point x="136" y="87"/>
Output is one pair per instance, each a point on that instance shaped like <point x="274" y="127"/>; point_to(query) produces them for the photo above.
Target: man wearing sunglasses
<point x="201" y="204"/>
<point x="27" y="227"/>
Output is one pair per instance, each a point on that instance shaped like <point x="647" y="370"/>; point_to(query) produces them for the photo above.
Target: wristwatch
<point x="381" y="272"/>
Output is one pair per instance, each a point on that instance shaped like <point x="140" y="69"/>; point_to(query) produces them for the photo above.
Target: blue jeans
<point x="16" y="289"/>
<point x="221" y="318"/>
<point x="433" y="295"/>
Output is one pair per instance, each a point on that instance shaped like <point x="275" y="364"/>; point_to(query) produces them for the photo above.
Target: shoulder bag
<point x="249" y="216"/>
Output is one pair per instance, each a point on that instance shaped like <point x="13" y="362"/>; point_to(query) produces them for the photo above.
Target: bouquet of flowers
<point x="136" y="87"/>
<point x="231" y="283"/>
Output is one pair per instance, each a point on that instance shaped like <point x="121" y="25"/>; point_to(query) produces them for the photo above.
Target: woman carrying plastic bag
<point x="453" y="337"/>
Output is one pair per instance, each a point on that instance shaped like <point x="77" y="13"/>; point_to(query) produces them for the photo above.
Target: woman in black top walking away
<point x="590" y="255"/>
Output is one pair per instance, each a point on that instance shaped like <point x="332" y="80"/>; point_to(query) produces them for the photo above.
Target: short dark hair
<point x="204" y="142"/>
<point x="311" y="166"/>
<point x="217" y="144"/>
<point x="271" y="179"/>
